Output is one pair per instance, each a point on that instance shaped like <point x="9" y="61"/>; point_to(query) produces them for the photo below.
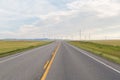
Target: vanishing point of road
<point x="63" y="62"/>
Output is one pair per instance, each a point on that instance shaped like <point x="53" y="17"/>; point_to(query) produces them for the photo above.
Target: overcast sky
<point x="60" y="19"/>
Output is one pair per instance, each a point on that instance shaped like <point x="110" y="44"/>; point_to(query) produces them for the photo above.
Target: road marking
<point x="45" y="66"/>
<point x="97" y="60"/>
<point x="13" y="57"/>
<point x="103" y="63"/>
<point x="17" y="55"/>
<point x="50" y="63"/>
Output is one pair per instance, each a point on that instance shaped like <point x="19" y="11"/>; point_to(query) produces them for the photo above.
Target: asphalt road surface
<point x="70" y="63"/>
<point x="75" y="64"/>
<point x="27" y="65"/>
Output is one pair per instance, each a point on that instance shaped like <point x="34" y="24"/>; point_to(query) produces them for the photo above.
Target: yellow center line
<point x="50" y="63"/>
<point x="45" y="66"/>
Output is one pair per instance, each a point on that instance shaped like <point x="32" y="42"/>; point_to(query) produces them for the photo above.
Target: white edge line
<point x="22" y="53"/>
<point x="15" y="56"/>
<point x="12" y="57"/>
<point x="97" y="60"/>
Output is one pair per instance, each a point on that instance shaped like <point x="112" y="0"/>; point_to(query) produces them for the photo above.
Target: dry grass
<point x="108" y="42"/>
<point x="109" y="52"/>
<point x="12" y="47"/>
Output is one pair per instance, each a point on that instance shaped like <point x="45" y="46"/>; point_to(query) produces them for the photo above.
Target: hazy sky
<point x="60" y="18"/>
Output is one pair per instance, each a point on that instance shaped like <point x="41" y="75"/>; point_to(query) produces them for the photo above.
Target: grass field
<point x="108" y="42"/>
<point x="106" y="50"/>
<point x="12" y="47"/>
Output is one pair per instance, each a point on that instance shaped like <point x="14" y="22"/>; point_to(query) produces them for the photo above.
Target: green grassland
<point x="12" y="47"/>
<point x="105" y="50"/>
<point x="108" y="42"/>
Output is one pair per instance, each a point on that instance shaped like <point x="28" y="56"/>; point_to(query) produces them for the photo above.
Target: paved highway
<point x="27" y="65"/>
<point x="70" y="63"/>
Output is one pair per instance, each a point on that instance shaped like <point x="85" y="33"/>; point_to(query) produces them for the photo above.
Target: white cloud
<point x="103" y="8"/>
<point x="26" y="31"/>
<point x="91" y="15"/>
<point x="28" y="6"/>
<point x="106" y="28"/>
<point x="57" y="17"/>
<point x="17" y="9"/>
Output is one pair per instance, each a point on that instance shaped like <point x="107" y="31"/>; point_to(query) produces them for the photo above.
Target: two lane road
<point x="70" y="63"/>
<point x="73" y="64"/>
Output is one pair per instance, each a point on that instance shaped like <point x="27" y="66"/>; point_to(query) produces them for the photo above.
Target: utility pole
<point x="89" y="36"/>
<point x="72" y="37"/>
<point x="105" y="37"/>
<point x="80" y="34"/>
<point x="85" y="37"/>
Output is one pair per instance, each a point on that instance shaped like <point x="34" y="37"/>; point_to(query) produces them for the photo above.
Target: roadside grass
<point x="13" y="47"/>
<point x="107" y="42"/>
<point x="109" y="52"/>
